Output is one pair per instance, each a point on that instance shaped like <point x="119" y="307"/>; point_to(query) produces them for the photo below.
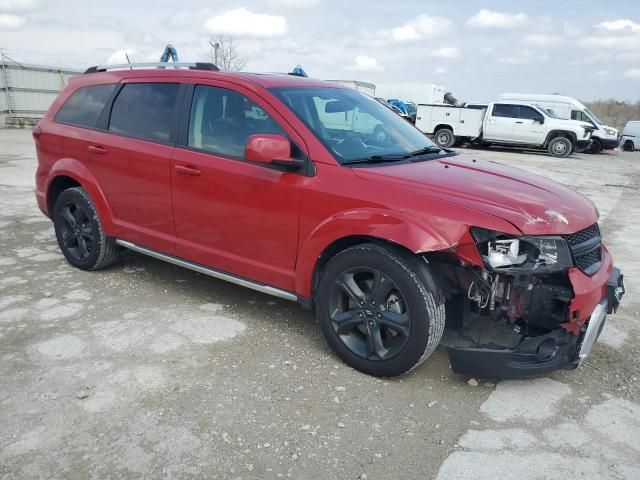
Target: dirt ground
<point x="147" y="370"/>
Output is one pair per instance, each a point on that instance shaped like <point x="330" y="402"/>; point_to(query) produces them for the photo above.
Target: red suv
<point x="286" y="185"/>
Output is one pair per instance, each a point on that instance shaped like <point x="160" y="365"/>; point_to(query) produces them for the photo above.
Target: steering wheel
<point x="351" y="146"/>
<point x="350" y="137"/>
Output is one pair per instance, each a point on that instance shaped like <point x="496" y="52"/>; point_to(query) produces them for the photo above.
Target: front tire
<point x="628" y="146"/>
<point x="560" y="147"/>
<point x="79" y="232"/>
<point x="444" y="138"/>
<point x="596" y="147"/>
<point x="380" y="309"/>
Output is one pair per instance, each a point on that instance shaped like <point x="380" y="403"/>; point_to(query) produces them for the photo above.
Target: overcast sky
<point x="476" y="49"/>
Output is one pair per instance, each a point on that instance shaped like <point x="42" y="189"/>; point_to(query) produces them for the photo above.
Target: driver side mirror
<point x="271" y="149"/>
<point x="540" y="120"/>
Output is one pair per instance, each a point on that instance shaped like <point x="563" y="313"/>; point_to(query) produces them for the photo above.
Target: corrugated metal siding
<point x="32" y="89"/>
<point x="32" y="102"/>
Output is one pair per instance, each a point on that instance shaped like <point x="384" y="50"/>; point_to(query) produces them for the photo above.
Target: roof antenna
<point x="128" y="61"/>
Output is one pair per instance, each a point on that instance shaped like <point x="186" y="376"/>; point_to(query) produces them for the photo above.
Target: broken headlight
<point x="500" y="251"/>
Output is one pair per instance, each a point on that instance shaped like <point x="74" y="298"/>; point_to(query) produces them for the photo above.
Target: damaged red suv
<point x="316" y="193"/>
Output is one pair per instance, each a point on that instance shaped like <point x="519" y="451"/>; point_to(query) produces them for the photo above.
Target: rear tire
<point x="560" y="147"/>
<point x="596" y="147"/>
<point x="444" y="137"/>
<point x="380" y="309"/>
<point x="79" y="232"/>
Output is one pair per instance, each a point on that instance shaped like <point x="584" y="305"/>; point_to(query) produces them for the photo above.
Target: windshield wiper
<point x="426" y="150"/>
<point x="377" y="159"/>
<point x="396" y="157"/>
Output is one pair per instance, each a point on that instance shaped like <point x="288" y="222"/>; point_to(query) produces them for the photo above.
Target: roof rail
<point x="160" y="65"/>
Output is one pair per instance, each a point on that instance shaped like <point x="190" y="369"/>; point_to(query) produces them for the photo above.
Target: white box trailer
<point x="364" y="87"/>
<point x="416" y="92"/>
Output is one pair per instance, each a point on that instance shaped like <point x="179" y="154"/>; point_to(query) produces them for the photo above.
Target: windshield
<point x="354" y="126"/>
<point x="593" y="115"/>
<point x="551" y="113"/>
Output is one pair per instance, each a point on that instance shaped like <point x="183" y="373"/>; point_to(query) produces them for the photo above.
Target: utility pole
<point x="6" y="82"/>
<point x="215" y="47"/>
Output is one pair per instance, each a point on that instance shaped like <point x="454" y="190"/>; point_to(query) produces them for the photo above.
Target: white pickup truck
<point x="504" y="123"/>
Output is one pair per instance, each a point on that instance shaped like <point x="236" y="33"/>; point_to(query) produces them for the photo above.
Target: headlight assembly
<point x="609" y="131"/>
<point x="502" y="252"/>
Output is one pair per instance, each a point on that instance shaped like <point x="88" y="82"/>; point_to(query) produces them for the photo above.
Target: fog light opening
<point x="546" y="349"/>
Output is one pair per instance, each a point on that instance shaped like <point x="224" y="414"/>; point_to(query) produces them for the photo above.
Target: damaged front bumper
<point x="563" y="348"/>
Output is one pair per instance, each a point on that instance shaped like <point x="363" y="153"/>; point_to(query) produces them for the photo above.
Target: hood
<point x="533" y="204"/>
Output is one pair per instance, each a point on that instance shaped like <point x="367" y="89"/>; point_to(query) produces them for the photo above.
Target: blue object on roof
<point x="169" y="53"/>
<point x="298" y="71"/>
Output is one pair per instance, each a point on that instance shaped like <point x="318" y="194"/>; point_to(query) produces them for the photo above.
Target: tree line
<point x="615" y="112"/>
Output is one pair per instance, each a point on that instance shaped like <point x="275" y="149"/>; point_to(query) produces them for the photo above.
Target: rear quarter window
<point x="84" y="106"/>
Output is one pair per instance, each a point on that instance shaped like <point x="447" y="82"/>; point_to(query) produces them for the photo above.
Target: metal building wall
<point x="27" y="91"/>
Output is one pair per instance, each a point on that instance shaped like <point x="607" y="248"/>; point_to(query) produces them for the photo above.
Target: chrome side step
<point x="276" y="292"/>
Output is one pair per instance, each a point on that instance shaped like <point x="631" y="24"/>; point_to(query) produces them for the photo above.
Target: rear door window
<point x="145" y="111"/>
<point x="502" y="110"/>
<point x="84" y="106"/>
<point x="528" y="113"/>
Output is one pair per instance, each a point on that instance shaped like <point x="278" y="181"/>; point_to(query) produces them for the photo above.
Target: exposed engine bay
<point x="494" y="312"/>
<point x="513" y="315"/>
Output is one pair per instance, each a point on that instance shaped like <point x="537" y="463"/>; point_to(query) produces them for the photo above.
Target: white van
<point x="631" y="136"/>
<point x="604" y="137"/>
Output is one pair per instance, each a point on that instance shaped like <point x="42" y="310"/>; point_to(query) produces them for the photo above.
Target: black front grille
<point x="586" y="248"/>
<point x="586" y="261"/>
<point x="583" y="235"/>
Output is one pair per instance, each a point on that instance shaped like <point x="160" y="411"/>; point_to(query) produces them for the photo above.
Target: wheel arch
<point x="68" y="173"/>
<point x="361" y="226"/>
<point x="560" y="133"/>
<point x="445" y="126"/>
<point x="342" y="244"/>
<point x="58" y="185"/>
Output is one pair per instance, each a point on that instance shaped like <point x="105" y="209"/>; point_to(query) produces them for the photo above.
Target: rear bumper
<point x="558" y="349"/>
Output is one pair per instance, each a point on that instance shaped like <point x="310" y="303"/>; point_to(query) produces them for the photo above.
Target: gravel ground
<point x="147" y="370"/>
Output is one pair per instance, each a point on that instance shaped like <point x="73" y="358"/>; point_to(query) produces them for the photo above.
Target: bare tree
<point x="225" y="54"/>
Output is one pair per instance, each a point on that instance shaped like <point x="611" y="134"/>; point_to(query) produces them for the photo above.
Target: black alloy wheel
<point x="369" y="313"/>
<point x="380" y="308"/>
<point x="78" y="235"/>
<point x="79" y="231"/>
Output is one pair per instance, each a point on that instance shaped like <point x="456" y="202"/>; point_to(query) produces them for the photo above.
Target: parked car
<point x="631" y="136"/>
<point x="503" y="123"/>
<point x="251" y="179"/>
<point x="604" y="136"/>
